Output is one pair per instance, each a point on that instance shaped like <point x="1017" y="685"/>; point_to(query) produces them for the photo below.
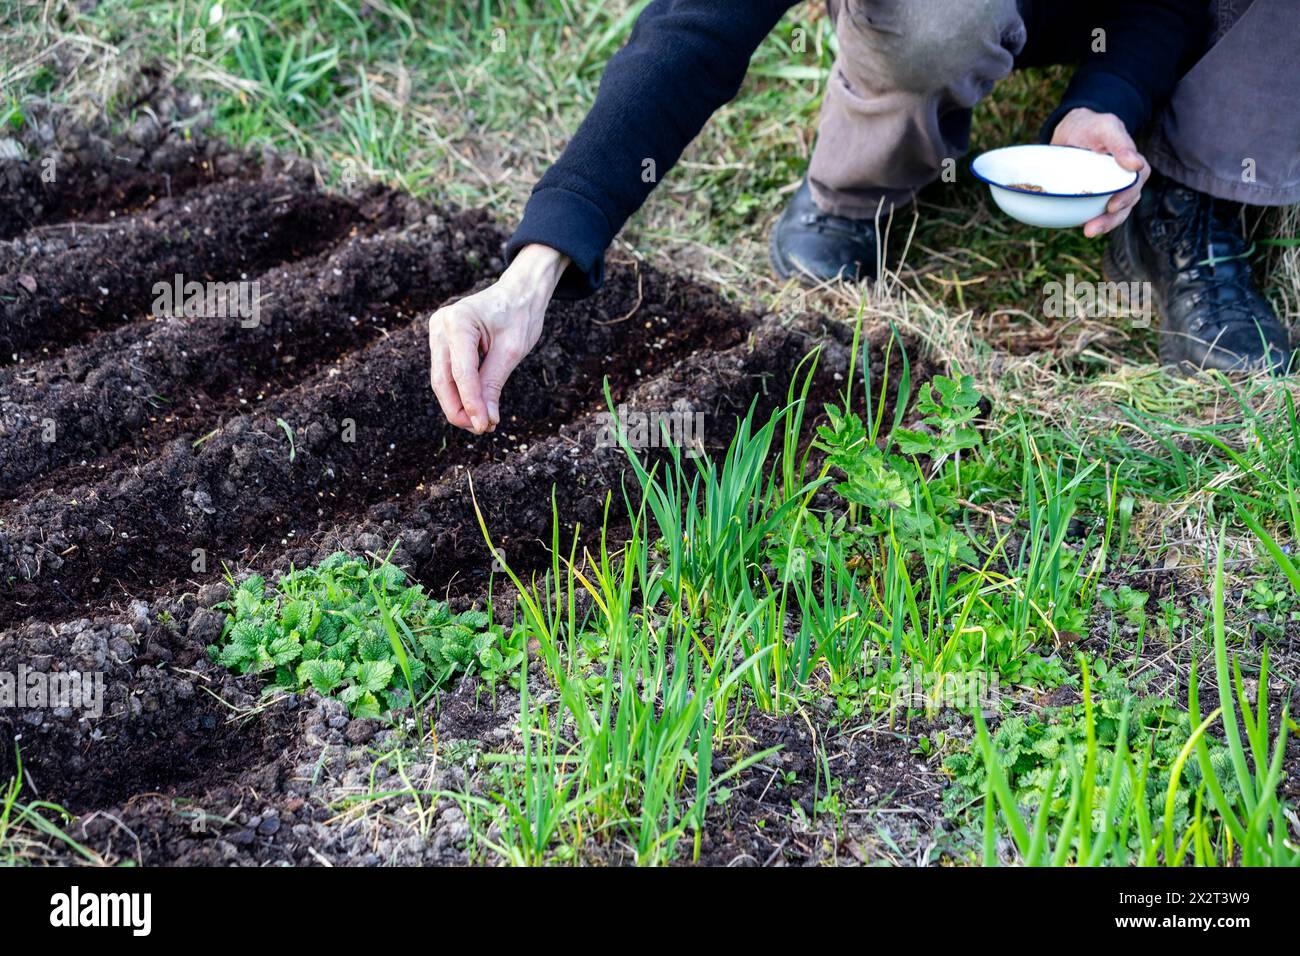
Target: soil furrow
<point x="88" y="178"/>
<point x="181" y="375"/>
<point x="55" y="289"/>
<point x="339" y="442"/>
<point x="183" y="445"/>
<point x="437" y="534"/>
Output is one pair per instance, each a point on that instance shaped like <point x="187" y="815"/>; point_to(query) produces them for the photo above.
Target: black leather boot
<point x="814" y="246"/>
<point x="1192" y="253"/>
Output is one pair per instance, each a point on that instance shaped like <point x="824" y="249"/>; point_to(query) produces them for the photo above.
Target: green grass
<point x="696" y="583"/>
<point x="30" y="828"/>
<point x="1226" y="814"/>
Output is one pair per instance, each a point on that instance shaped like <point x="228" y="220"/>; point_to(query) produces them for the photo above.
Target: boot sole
<point x="783" y="270"/>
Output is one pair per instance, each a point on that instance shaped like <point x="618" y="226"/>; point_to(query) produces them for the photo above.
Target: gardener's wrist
<point x="534" y="273"/>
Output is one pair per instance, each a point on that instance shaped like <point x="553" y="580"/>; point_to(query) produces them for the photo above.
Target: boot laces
<point x="1221" y="278"/>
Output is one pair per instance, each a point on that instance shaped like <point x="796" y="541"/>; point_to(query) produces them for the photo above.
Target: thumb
<point x="496" y="369"/>
<point x="1129" y="158"/>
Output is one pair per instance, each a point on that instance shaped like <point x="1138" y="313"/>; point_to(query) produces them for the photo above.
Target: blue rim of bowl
<point x="1033" y="192"/>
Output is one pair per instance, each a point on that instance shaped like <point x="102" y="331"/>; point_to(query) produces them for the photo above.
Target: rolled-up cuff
<point x="572" y="224"/>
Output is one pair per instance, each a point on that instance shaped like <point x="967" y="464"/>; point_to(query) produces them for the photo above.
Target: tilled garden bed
<point x="146" y="455"/>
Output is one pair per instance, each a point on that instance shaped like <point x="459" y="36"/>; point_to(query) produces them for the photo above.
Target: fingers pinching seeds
<point x="497" y="366"/>
<point x="440" y="378"/>
<point x="463" y="355"/>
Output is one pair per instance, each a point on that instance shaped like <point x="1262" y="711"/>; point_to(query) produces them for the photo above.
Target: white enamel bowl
<point x="1076" y="183"/>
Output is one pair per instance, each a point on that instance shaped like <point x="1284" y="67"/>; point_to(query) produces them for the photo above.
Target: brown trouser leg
<point x="900" y="94"/>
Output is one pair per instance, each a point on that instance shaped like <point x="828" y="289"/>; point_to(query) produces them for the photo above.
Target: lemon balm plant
<point x="356" y="630"/>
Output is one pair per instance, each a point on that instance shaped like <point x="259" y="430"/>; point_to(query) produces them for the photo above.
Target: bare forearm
<point x="534" y="273"/>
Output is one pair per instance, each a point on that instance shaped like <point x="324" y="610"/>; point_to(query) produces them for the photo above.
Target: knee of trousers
<point x="920" y="46"/>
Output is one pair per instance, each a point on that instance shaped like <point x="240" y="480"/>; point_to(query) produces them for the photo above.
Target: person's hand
<point x="475" y="344"/>
<point x="1105" y="133"/>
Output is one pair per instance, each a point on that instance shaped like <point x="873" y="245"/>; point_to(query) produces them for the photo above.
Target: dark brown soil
<point x="60" y="282"/>
<point x="159" y="727"/>
<point x="73" y="173"/>
<point x="769" y="818"/>
<point x="150" y="381"/>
